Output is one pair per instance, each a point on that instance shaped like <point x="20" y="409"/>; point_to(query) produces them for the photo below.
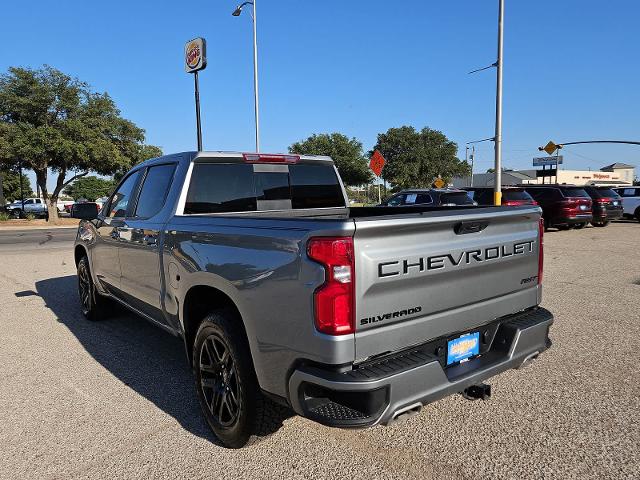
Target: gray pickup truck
<point x="283" y="294"/>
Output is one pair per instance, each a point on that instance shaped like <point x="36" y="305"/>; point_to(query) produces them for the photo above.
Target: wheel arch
<point x="198" y="302"/>
<point x="78" y="252"/>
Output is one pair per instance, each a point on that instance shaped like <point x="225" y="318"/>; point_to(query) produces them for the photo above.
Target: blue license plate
<point x="463" y="347"/>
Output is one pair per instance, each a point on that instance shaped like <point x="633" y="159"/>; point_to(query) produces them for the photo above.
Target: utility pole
<point x="2" y="200"/>
<point x="256" y="104"/>
<point x="466" y="158"/>
<point x="497" y="193"/>
<point x="473" y="157"/>
<point x="21" y="188"/>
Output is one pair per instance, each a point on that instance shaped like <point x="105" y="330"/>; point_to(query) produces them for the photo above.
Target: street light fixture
<point x="236" y="13"/>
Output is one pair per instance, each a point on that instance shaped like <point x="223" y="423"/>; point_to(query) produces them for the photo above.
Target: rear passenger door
<point x="140" y="278"/>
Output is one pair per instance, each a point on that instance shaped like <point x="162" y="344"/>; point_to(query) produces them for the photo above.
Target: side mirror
<point x="85" y="211"/>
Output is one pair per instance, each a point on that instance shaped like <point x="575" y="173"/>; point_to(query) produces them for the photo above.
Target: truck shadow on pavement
<point x="144" y="357"/>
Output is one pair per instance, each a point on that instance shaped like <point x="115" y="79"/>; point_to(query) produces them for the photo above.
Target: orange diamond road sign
<point x="377" y="163"/>
<point x="439" y="183"/>
<point x="550" y="148"/>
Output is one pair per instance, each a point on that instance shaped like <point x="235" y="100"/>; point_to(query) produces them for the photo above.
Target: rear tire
<point x="637" y="214"/>
<point x="226" y="384"/>
<point x="92" y="303"/>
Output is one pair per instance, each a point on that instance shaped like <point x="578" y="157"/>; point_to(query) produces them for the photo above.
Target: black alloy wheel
<point x="85" y="288"/>
<point x="94" y="306"/>
<point x="219" y="381"/>
<point x="230" y="398"/>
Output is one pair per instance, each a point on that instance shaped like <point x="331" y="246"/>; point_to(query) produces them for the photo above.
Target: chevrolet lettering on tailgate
<point x="438" y="262"/>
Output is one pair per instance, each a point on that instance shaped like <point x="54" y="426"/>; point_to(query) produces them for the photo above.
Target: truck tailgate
<point x="424" y="276"/>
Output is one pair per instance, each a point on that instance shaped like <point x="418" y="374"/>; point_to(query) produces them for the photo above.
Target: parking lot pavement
<point x="115" y="399"/>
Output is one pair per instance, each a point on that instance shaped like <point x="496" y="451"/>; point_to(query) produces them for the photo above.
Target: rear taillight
<point x="515" y="203"/>
<point x="604" y="200"/>
<point x="269" y="158"/>
<point x="540" y="250"/>
<point x="334" y="300"/>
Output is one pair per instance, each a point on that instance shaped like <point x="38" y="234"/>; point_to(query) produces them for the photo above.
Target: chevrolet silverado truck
<point x="282" y="294"/>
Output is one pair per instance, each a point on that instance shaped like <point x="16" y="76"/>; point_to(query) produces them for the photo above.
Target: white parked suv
<point x="630" y="201"/>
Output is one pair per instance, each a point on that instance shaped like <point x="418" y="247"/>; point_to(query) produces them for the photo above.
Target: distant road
<point x="31" y="239"/>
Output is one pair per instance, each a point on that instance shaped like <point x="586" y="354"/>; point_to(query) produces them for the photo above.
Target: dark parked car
<point x="434" y="197"/>
<point x="563" y="206"/>
<point x="511" y="196"/>
<point x="607" y="205"/>
<point x="84" y="210"/>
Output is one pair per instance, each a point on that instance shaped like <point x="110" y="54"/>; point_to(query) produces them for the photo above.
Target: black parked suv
<point x="433" y="197"/>
<point x="511" y="196"/>
<point x="563" y="206"/>
<point x="607" y="205"/>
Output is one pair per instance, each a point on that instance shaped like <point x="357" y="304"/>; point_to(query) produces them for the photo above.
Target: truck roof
<point x="192" y="155"/>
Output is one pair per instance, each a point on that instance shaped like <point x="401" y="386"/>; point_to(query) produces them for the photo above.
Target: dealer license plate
<point x="463" y="347"/>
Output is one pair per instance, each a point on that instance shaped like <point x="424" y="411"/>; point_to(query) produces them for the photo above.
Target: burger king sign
<point x="195" y="55"/>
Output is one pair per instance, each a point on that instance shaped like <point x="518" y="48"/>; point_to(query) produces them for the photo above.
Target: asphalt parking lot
<point x="115" y="399"/>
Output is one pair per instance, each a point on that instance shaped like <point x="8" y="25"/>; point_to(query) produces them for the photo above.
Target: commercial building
<point x="616" y="174"/>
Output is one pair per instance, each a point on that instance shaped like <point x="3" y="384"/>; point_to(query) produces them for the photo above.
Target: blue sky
<point x="359" y="67"/>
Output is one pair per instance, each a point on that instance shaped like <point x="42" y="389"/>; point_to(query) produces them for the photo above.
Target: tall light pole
<point x="497" y="192"/>
<point x="236" y="13"/>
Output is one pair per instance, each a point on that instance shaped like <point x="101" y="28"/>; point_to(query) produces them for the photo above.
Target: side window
<point x="28" y="202"/>
<point x="485" y="197"/>
<point x="37" y="200"/>
<point x="410" y="199"/>
<point x="396" y="200"/>
<point x="120" y="200"/>
<point x="154" y="190"/>
<point x="423" y="199"/>
<point x="221" y="187"/>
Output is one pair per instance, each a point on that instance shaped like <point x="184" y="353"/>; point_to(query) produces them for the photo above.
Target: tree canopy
<point x="11" y="185"/>
<point x="90" y="188"/>
<point x="52" y="122"/>
<point x="346" y="153"/>
<point x="416" y="158"/>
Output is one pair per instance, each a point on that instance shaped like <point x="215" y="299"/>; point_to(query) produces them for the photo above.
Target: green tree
<point x="417" y="158"/>
<point x="11" y="185"/>
<point x="55" y="123"/>
<point x="346" y="153"/>
<point x="90" y="187"/>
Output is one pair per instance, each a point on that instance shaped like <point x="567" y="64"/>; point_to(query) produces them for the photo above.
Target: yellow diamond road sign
<point x="550" y="148"/>
<point x="439" y="183"/>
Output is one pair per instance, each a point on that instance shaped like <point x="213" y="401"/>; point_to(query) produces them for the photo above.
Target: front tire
<point x="91" y="302"/>
<point x="226" y="383"/>
<point x="579" y="226"/>
<point x="637" y="214"/>
<point x="600" y="224"/>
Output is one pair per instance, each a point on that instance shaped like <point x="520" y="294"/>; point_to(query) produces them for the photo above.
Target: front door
<point x="110" y="225"/>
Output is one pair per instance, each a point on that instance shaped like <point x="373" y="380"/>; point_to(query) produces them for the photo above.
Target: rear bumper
<point x="603" y="215"/>
<point x="572" y="220"/>
<point x="378" y="392"/>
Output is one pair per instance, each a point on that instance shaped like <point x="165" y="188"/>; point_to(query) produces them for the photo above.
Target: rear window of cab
<point x="241" y="187"/>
